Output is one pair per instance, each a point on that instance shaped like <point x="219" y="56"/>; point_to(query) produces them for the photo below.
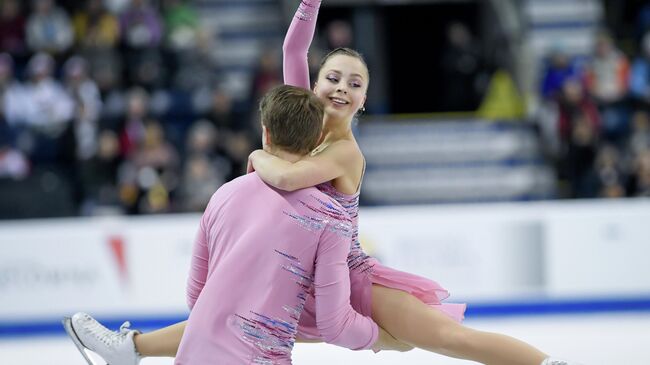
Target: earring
<point x="361" y="111"/>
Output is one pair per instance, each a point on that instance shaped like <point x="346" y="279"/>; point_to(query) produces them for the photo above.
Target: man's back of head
<point x="293" y="118"/>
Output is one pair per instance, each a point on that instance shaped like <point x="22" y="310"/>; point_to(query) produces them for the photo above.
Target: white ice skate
<point x="115" y="347"/>
<point x="554" y="361"/>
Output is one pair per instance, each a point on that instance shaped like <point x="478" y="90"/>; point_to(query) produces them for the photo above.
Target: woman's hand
<point x="249" y="166"/>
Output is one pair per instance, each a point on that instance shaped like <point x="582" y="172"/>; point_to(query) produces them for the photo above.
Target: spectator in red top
<point x="578" y="130"/>
<point x="573" y="101"/>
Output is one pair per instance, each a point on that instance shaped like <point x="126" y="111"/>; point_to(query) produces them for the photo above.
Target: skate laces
<point x="125" y="328"/>
<point x="550" y="361"/>
<point x="106" y="336"/>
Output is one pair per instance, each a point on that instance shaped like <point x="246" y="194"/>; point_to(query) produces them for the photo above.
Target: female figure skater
<point x="406" y="306"/>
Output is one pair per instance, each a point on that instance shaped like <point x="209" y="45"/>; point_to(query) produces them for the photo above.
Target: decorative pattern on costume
<point x="341" y="223"/>
<point x="275" y="337"/>
<point x="312" y="224"/>
<point x="272" y="336"/>
<point x="326" y="213"/>
<point x="302" y="279"/>
<point x="305" y="14"/>
<point x="357" y="259"/>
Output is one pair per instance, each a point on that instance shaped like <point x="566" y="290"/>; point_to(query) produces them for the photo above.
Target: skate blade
<point x="67" y="324"/>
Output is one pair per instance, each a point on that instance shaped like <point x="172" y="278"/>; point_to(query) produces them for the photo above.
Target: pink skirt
<point x="428" y="291"/>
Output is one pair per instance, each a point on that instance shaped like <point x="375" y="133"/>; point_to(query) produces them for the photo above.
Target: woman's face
<point x="342" y="85"/>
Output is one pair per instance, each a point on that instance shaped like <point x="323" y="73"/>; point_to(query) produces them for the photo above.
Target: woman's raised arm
<point x="296" y="44"/>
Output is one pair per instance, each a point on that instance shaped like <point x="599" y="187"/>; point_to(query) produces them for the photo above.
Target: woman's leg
<point x="162" y="342"/>
<point x="415" y="323"/>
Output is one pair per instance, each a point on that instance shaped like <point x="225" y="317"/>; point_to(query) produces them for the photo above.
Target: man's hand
<point x="387" y="342"/>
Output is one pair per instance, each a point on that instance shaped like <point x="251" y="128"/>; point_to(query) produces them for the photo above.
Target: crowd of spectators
<point x="122" y="101"/>
<point x="596" y="120"/>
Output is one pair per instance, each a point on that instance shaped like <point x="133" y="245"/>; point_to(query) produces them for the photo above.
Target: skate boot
<point x="554" y="361"/>
<point x="115" y="347"/>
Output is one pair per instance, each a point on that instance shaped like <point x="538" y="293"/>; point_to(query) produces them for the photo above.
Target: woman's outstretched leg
<point x="415" y="323"/>
<point x="125" y="346"/>
<point x="163" y="342"/>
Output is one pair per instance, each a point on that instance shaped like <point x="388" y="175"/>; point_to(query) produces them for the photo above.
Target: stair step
<point x="539" y="12"/>
<point x="245" y="18"/>
<point x="243" y="53"/>
<point x="442" y="185"/>
<point x="232" y="3"/>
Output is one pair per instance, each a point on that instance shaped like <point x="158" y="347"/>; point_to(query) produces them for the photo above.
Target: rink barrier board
<point x="474" y="311"/>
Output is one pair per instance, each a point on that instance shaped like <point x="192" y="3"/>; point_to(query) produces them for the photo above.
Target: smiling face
<point x="342" y="85"/>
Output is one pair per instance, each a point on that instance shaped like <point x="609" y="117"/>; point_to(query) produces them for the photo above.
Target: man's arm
<point x="337" y="322"/>
<point x="198" y="265"/>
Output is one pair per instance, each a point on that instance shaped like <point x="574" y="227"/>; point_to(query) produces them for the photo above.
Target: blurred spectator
<point x="155" y="151"/>
<point x="13" y="163"/>
<point x="99" y="175"/>
<point x="463" y="68"/>
<point x="49" y="28"/>
<point x="339" y="34"/>
<point x="50" y="114"/>
<point x="12" y="28"/>
<point x="116" y="6"/>
<point x="202" y="139"/>
<point x="639" y="139"/>
<point x="132" y="130"/>
<point x="640" y="185"/>
<point x="581" y="152"/>
<point x="141" y="30"/>
<point x="198" y="67"/>
<point x="573" y="102"/>
<point x="205" y="170"/>
<point x="85" y="94"/>
<point x="234" y="135"/>
<point x="95" y="27"/>
<point x="182" y="34"/>
<point x="609" y="172"/>
<point x="607" y="81"/>
<point x="155" y="162"/>
<point x="560" y="68"/>
<point x="140" y="25"/>
<point x="638" y="151"/>
<point x="608" y="72"/>
<point x="97" y="34"/>
<point x="181" y="25"/>
<point x="200" y="181"/>
<point x="146" y="68"/>
<point x="267" y="74"/>
<point x="578" y="130"/>
<point x="106" y="69"/>
<point x="52" y="105"/>
<point x="640" y="76"/>
<point x="14" y="102"/>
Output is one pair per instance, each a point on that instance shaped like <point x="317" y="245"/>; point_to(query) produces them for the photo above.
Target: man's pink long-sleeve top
<point x="257" y="256"/>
